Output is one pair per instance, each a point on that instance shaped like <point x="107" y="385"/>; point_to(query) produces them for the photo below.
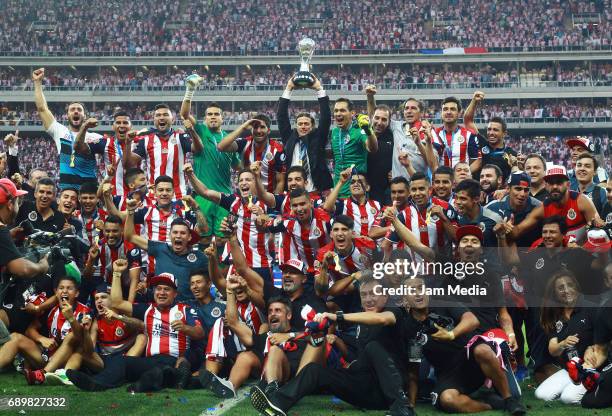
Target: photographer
<point x="42" y="213"/>
<point x="11" y="260"/>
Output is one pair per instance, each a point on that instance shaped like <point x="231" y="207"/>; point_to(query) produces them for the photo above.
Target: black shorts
<point x="293" y="357"/>
<point x="18" y="320"/>
<point x="465" y="376"/>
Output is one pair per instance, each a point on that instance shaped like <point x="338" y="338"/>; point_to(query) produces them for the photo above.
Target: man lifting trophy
<point x="304" y="78"/>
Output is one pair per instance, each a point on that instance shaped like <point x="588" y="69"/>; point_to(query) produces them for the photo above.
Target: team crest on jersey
<point x="269" y="156"/>
<point x="178" y="315"/>
<point x="421" y="339"/>
<point x="33" y="216"/>
<point x="558" y="326"/>
<point x="539" y="264"/>
<point x="461" y="139"/>
<point x="119" y="332"/>
<point x="609" y="218"/>
<point x="173" y="141"/>
<point x="482" y="226"/>
<point x="373" y="210"/>
<point x="485" y="150"/>
<point x="571" y="214"/>
<point x="216" y="312"/>
<point x="192" y="258"/>
<point x="283" y="157"/>
<point x="316" y="232"/>
<point x="134" y="252"/>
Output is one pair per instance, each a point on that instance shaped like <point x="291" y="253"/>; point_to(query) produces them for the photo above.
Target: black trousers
<point x="601" y="397"/>
<point x="118" y="369"/>
<point x="374" y="381"/>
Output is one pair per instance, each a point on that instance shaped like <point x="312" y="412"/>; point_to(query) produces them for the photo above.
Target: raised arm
<point x="242" y="331"/>
<point x="407" y="236"/>
<point x="371" y="144"/>
<point x="260" y="191"/>
<point x="128" y="231"/>
<point x="116" y="295"/>
<point x="228" y="144"/>
<point x="45" y="115"/>
<point x="330" y="202"/>
<point x="282" y="114"/>
<point x="370" y="91"/>
<point x="468" y="115"/>
<point x="79" y="144"/>
<point x="196" y="141"/>
<point x="199" y="187"/>
<point x="130" y="159"/>
<point x="191" y="84"/>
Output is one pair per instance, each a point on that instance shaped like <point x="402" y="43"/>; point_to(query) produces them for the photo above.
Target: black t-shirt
<point x="441" y="355"/>
<point x="498" y="157"/>
<point x="581" y="324"/>
<point x="297" y="323"/>
<point x="603" y="324"/>
<point x="379" y="165"/>
<point x="27" y="211"/>
<point x="8" y="251"/>
<point x="392" y="337"/>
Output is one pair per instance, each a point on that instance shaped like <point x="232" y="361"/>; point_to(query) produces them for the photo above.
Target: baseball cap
<point x="519" y="179"/>
<point x="597" y="241"/>
<point x="469" y="230"/>
<point x="102" y="288"/>
<point x="496" y="334"/>
<point x="555" y="171"/>
<point x="8" y="189"/>
<point x="164" y="279"/>
<point x="294" y="264"/>
<point x="580" y="141"/>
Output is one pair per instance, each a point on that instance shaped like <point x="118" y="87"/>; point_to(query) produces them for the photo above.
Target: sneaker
<point x="5" y="335"/>
<point x="521" y="373"/>
<point x="83" y="381"/>
<point x="205" y="377"/>
<point x="263" y="405"/>
<point x="271" y="388"/>
<point x="183" y="375"/>
<point x="492" y="399"/>
<point x="221" y="387"/>
<point x="401" y="407"/>
<point x="19" y="363"/>
<point x="58" y="378"/>
<point x="34" y="377"/>
<point x="514" y="406"/>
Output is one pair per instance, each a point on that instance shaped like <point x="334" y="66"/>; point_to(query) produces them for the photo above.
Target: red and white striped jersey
<point x="271" y="155"/>
<point x="302" y="242"/>
<point x="109" y="254"/>
<point x="250" y="315"/>
<point x="111" y="149"/>
<point x="362" y="215"/>
<point x="253" y="242"/>
<point x="57" y="324"/>
<point x="428" y="230"/>
<point x="89" y="223"/>
<point x="458" y="146"/>
<point x="360" y="258"/>
<point x="113" y="337"/>
<point x="165" y="157"/>
<point x="162" y="339"/>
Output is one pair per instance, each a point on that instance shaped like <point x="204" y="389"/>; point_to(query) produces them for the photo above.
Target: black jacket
<point x="316" y="141"/>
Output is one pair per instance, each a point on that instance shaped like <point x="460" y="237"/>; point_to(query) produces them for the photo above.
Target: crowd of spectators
<point x="346" y="78"/>
<point x="238" y="27"/>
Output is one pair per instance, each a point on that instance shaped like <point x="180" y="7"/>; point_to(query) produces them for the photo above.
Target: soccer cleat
<point x="205" y="377"/>
<point x="271" y="388"/>
<point x="514" y="406"/>
<point x="221" y="387"/>
<point x="58" y="378"/>
<point x="34" y="377"/>
<point x="263" y="405"/>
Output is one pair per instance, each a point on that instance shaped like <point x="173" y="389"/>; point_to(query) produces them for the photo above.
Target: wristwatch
<point x="340" y="317"/>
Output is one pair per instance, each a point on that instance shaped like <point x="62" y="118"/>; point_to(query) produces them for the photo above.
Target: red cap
<point x="469" y="230"/>
<point x="164" y="279"/>
<point x="294" y="264"/>
<point x="556" y="171"/>
<point x="497" y="334"/>
<point x="597" y="241"/>
<point x="8" y="189"/>
<point x="580" y="141"/>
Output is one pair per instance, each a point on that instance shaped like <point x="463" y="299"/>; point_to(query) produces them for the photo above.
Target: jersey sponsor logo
<point x="558" y="326"/>
<point x="192" y="258"/>
<point x="33" y="216"/>
<point x="216" y="312"/>
<point x="485" y="150"/>
<point x="283" y="157"/>
<point x="539" y="264"/>
<point x="135" y="252"/>
<point x="571" y="214"/>
<point x="119" y="332"/>
<point x="164" y="151"/>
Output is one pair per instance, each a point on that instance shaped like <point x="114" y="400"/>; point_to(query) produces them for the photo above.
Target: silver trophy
<point x="304" y="78"/>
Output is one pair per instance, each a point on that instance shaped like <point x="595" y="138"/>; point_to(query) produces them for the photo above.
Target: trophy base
<point x="303" y="79"/>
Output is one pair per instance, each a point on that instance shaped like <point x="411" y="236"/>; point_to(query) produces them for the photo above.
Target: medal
<point x="337" y="261"/>
<point x="72" y="160"/>
<point x="250" y="204"/>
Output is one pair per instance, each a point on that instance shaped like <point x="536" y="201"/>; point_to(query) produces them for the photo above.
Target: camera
<point x="40" y="243"/>
<point x="433" y="319"/>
